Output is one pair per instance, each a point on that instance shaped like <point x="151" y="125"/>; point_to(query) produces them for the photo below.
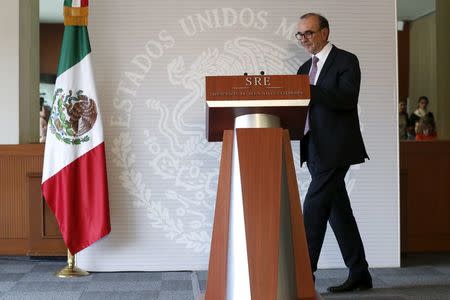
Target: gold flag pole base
<point x="71" y="270"/>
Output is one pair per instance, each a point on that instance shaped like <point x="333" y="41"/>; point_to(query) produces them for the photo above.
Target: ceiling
<point x="410" y="10"/>
<point x="51" y="11"/>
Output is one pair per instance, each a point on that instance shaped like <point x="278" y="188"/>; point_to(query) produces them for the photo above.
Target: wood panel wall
<point x="27" y="226"/>
<point x="50" y="47"/>
<point x="425" y="196"/>
<point x="403" y="62"/>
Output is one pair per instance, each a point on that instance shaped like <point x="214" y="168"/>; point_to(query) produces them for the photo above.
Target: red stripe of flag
<point x="78" y="196"/>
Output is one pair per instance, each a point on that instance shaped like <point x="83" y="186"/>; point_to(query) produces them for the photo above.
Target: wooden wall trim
<point x="13" y="246"/>
<point x="425" y="147"/>
<point x="22" y="150"/>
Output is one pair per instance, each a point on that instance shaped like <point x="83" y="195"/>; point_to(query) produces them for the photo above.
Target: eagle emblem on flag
<point x="72" y="117"/>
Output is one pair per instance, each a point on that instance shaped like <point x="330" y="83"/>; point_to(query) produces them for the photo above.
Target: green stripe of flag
<point x="79" y="3"/>
<point x="75" y="46"/>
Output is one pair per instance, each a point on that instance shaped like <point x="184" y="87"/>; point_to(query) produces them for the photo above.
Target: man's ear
<point x="325" y="33"/>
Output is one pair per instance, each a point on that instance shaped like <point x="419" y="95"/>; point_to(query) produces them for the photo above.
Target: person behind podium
<point x="332" y="143"/>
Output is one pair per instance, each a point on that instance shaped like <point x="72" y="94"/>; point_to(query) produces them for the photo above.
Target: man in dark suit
<point x="332" y="143"/>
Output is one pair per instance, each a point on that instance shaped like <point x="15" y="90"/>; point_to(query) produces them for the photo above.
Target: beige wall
<point x="422" y="71"/>
<point x="19" y="74"/>
<point x="9" y="73"/>
<point x="443" y="67"/>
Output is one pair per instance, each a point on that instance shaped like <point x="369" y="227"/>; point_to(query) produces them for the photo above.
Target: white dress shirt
<point x="322" y="56"/>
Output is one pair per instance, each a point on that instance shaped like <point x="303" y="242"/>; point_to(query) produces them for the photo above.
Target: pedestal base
<point x="258" y="248"/>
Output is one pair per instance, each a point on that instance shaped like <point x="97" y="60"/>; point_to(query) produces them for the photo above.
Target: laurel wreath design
<point x="159" y="215"/>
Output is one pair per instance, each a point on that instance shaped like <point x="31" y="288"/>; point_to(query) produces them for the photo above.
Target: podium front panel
<point x="227" y="97"/>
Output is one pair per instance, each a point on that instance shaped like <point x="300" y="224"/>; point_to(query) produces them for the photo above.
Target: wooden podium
<point x="258" y="247"/>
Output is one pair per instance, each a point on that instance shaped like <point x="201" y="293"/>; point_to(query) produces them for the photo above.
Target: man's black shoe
<point x="352" y="284"/>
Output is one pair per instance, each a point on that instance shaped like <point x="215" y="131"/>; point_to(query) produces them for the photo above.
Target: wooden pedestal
<point x="259" y="176"/>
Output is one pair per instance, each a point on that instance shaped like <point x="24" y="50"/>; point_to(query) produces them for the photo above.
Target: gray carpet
<point x="421" y="277"/>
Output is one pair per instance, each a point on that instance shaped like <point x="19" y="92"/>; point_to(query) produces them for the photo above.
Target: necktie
<point x="312" y="79"/>
<point x="313" y="71"/>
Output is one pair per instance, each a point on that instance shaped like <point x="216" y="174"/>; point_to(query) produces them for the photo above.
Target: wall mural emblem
<point x="181" y="206"/>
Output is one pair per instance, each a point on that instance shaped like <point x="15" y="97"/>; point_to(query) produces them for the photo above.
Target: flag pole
<point x="78" y="201"/>
<point x="73" y="16"/>
<point x="71" y="270"/>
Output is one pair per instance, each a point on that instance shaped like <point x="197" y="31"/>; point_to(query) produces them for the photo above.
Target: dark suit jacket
<point x="333" y="112"/>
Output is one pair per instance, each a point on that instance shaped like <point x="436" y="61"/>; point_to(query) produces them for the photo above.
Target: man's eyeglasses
<point x="307" y="34"/>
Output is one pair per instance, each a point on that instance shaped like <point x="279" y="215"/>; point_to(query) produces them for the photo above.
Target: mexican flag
<point x="74" y="181"/>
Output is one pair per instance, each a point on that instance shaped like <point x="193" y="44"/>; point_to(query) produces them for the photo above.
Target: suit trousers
<point x="327" y="200"/>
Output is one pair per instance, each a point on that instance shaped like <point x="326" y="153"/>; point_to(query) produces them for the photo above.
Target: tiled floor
<point x="21" y="278"/>
<point x="422" y="277"/>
